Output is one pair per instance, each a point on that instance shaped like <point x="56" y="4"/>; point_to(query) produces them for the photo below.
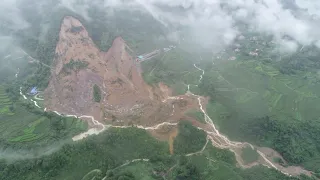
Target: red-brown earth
<point x="126" y="98"/>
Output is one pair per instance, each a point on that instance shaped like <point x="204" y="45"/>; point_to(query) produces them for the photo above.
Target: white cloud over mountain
<point x="212" y="22"/>
<point x="268" y="16"/>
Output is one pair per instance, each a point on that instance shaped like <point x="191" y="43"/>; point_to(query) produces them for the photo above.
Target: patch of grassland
<point x="249" y="155"/>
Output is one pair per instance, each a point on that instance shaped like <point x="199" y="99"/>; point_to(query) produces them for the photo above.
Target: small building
<point x="253" y="53"/>
<point x="34" y="91"/>
<point x="232" y="58"/>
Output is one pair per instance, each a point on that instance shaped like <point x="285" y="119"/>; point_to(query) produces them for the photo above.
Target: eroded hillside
<point x="125" y="98"/>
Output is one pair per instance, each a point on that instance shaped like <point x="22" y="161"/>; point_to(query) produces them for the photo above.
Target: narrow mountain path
<point x="35" y="103"/>
<point x="36" y="60"/>
<point x="37" y="98"/>
<point x="128" y="163"/>
<point x="201" y="76"/>
<point x="201" y="151"/>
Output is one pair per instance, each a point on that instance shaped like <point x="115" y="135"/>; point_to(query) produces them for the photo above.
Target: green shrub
<point x="75" y="65"/>
<point x="189" y="140"/>
<point x="96" y="93"/>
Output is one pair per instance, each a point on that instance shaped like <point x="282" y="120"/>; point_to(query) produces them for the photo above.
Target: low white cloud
<point x="10" y="16"/>
<point x="209" y="22"/>
<point x="214" y="21"/>
<point x="81" y="7"/>
<point x="287" y="46"/>
<point x="310" y="6"/>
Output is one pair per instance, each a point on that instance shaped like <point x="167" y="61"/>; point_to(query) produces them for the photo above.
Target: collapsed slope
<point x="125" y="98"/>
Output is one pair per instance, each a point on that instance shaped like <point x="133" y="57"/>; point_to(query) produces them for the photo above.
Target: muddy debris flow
<point x="126" y="100"/>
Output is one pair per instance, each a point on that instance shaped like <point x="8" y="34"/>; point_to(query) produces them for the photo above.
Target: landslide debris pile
<point x="125" y="98"/>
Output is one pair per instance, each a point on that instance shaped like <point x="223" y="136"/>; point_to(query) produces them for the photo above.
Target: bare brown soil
<point x="163" y="132"/>
<point x="292" y="170"/>
<point x="126" y="98"/>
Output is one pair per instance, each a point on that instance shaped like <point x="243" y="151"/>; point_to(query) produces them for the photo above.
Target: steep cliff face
<point x="125" y="97"/>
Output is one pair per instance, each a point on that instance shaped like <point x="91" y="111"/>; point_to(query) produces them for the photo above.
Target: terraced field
<point x="12" y="126"/>
<point x="247" y="80"/>
<point x="247" y="90"/>
<point x="273" y="98"/>
<point x="19" y="125"/>
<point x="28" y="132"/>
<point x="5" y="103"/>
<point x="26" y="127"/>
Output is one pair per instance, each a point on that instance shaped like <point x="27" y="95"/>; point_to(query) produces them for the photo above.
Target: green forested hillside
<point x="252" y="98"/>
<point x="110" y="155"/>
<point x="268" y="100"/>
<point x="23" y="125"/>
<point x="254" y="101"/>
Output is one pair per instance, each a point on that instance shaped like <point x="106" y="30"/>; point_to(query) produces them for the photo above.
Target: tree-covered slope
<point x="133" y="154"/>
